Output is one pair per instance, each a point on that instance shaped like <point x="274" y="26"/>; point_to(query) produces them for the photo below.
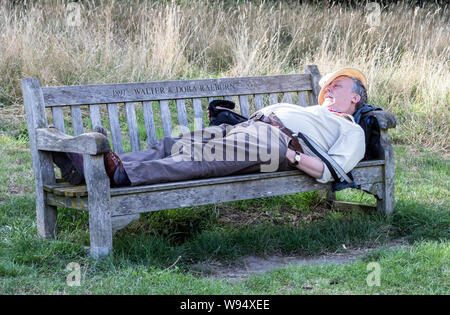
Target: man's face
<point x="339" y="95"/>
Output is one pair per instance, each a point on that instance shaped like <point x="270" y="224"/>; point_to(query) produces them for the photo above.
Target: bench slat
<point x="149" y="123"/>
<point x="364" y="172"/>
<point x="95" y="115"/>
<point x="58" y="118"/>
<point x="198" y="113"/>
<point x="126" y="200"/>
<point x="228" y="98"/>
<point x="165" y="117"/>
<point x="259" y="101"/>
<point x="114" y="124"/>
<point x="182" y="115"/>
<point x="302" y="99"/>
<point x="273" y="98"/>
<point x="223" y="192"/>
<point x="132" y="127"/>
<point x="287" y="98"/>
<point x="171" y="90"/>
<point x="243" y="102"/>
<point x="198" y="192"/>
<point x="77" y="120"/>
<point x="311" y="100"/>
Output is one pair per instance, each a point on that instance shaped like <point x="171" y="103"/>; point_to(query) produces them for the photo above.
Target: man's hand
<point x="312" y="166"/>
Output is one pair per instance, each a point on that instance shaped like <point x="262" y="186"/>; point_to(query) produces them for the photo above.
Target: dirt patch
<point x="251" y="265"/>
<point x="287" y="214"/>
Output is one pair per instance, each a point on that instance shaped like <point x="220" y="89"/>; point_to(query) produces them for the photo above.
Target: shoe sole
<point x="68" y="170"/>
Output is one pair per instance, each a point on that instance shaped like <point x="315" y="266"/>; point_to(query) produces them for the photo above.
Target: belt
<point x="275" y="121"/>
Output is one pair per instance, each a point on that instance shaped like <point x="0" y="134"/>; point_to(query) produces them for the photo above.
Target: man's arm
<point x="347" y="151"/>
<point x="312" y="166"/>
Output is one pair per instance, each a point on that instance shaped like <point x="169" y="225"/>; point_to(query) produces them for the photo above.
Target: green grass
<point x="145" y="252"/>
<point x="422" y="269"/>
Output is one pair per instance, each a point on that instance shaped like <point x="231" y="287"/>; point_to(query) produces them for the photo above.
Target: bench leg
<point x="329" y="197"/>
<point x="46" y="215"/>
<point x="100" y="223"/>
<point x="100" y="231"/>
<point x="386" y="203"/>
<point x="42" y="161"/>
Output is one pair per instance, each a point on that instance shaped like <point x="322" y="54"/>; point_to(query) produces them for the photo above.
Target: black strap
<point x="330" y="168"/>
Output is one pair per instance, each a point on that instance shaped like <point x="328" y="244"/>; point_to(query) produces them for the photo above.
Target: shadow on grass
<point x="230" y="243"/>
<point x="411" y="221"/>
<point x="20" y="247"/>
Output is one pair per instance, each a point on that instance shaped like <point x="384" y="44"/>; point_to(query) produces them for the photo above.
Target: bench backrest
<point x="152" y="110"/>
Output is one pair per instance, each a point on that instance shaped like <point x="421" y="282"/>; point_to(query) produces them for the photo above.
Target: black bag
<point x="374" y="151"/>
<point x="224" y="116"/>
<point x="369" y="124"/>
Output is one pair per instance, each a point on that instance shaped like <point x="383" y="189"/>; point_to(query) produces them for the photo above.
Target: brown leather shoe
<point x="112" y="162"/>
<point x="71" y="164"/>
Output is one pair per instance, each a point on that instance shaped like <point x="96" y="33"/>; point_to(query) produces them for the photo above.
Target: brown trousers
<point x="248" y="147"/>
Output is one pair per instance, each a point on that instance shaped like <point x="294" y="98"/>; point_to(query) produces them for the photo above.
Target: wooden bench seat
<point x="67" y="190"/>
<point x="149" y="111"/>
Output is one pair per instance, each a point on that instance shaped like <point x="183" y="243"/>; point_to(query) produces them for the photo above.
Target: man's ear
<point x="356" y="98"/>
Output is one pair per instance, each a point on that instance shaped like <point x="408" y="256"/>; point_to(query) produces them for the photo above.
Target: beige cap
<point x="350" y="72"/>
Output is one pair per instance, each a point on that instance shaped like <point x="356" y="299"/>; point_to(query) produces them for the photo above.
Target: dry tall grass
<point x="406" y="57"/>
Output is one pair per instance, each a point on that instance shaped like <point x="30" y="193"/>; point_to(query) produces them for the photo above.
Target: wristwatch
<point x="297" y="158"/>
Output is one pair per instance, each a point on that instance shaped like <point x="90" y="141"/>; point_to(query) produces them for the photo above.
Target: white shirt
<point x="337" y="134"/>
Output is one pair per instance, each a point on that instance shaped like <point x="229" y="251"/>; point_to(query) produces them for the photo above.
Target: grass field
<point x="406" y="62"/>
<point x="145" y="252"/>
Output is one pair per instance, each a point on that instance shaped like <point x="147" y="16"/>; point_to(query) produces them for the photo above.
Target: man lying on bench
<point x="267" y="142"/>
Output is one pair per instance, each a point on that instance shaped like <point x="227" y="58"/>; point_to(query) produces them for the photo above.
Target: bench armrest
<point x="51" y="139"/>
<point x="385" y="119"/>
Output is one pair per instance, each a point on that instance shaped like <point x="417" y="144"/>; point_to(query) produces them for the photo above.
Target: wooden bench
<point x="149" y="111"/>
